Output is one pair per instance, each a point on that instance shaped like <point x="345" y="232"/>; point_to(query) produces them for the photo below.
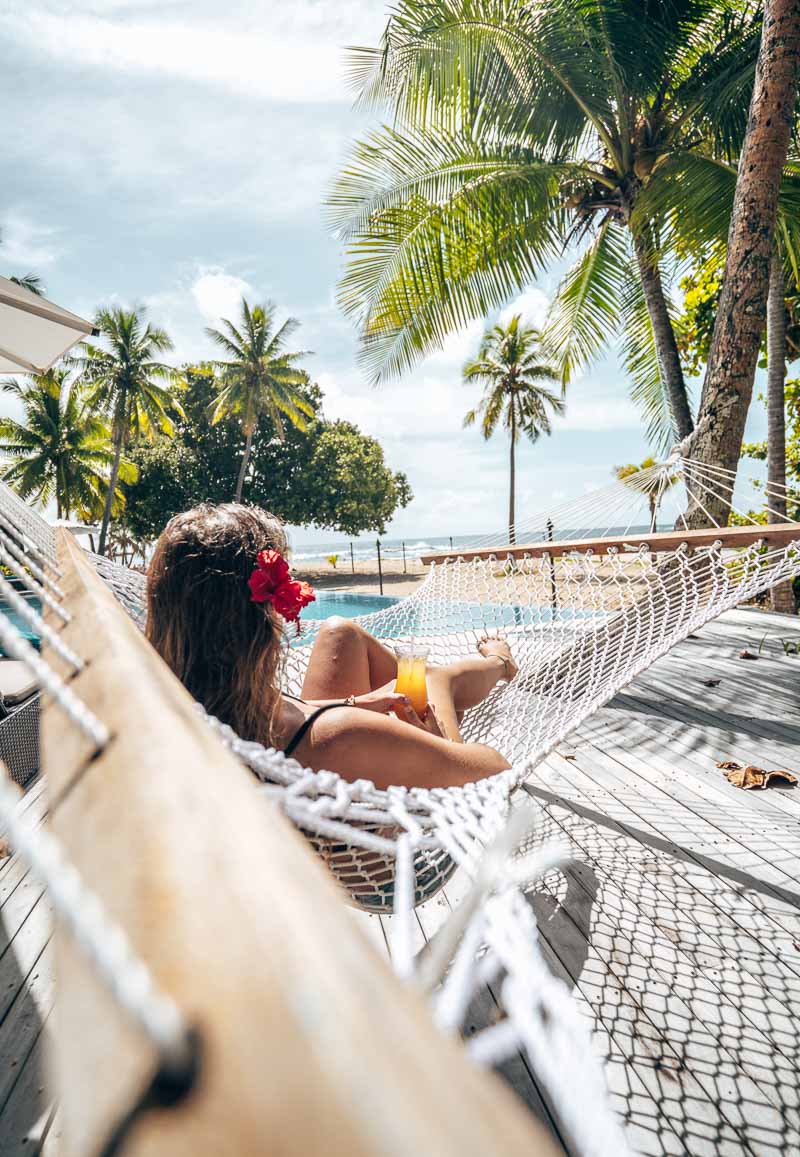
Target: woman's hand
<point x="390" y="702"/>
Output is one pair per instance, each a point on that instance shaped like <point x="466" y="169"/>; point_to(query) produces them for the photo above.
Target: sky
<point x="176" y="154"/>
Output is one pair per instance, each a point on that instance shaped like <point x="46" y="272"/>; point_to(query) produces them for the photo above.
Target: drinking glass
<point x="412" y="661"/>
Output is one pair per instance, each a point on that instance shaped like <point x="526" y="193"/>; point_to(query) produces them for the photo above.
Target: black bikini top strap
<point x="307" y="723"/>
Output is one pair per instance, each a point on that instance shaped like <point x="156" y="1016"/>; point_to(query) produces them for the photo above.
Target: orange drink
<point x="411" y="666"/>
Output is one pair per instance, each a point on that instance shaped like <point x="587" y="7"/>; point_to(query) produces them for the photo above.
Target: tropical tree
<point x="510" y="366"/>
<point x="653" y="488"/>
<point x="124" y="380"/>
<point x="60" y="451"/>
<point x="29" y="281"/>
<point x="740" y="318"/>
<point x="259" y="376"/>
<point x="328" y="475"/>
<point x="521" y="130"/>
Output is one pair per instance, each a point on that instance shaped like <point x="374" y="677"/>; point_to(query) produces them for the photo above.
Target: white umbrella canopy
<point x="34" y="333"/>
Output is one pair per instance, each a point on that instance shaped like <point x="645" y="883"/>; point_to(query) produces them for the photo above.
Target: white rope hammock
<point x="582" y="623"/>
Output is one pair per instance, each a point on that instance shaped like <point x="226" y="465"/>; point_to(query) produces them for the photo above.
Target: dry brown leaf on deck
<point x="747" y="655"/>
<point x="750" y="776"/>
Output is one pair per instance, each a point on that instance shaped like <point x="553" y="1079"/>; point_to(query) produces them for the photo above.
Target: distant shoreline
<point x="396" y="582"/>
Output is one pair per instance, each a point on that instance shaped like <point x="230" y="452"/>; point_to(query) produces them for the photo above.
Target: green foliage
<point x="332" y="559"/>
<point x="519" y="130"/>
<point x="640" y="478"/>
<point x="124" y="375"/>
<point x="758" y="450"/>
<point x="510" y="367"/>
<point x="327" y="474"/>
<point x="124" y="378"/>
<point x="701" y="288"/>
<point x="60" y="451"/>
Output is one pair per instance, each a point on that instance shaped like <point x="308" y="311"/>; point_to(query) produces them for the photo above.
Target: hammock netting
<point x="581" y="624"/>
<point x="582" y="621"/>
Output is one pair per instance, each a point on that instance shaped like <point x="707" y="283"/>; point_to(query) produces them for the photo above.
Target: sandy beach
<point x="396" y="581"/>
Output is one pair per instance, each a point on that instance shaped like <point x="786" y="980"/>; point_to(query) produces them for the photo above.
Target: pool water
<point x="20" y="623"/>
<point x="438" y="617"/>
<point x="345" y="603"/>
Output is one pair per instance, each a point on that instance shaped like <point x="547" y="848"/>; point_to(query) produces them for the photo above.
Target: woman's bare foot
<point x="499" y="648"/>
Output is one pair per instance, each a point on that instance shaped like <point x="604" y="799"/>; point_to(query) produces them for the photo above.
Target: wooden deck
<point x="677" y="927"/>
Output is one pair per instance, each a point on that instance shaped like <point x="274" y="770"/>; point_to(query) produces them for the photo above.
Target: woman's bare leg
<point x="347" y="660"/>
<point x="453" y="689"/>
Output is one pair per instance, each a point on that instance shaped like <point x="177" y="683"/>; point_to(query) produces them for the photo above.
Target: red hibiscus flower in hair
<point x="290" y="598"/>
<point x="271" y="582"/>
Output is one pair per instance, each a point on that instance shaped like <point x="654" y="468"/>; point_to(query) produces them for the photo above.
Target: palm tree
<point x="59" y="451"/>
<point x="739" y="323"/>
<point x="653" y="487"/>
<point x="30" y="281"/>
<point x="510" y="367"/>
<point x="124" y="378"/>
<point x="258" y="377"/>
<point x="520" y="130"/>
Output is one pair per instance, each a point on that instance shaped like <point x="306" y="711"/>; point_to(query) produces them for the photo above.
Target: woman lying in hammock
<point x="218" y="592"/>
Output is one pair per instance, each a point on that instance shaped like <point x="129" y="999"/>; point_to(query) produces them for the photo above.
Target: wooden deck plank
<point x="27" y="1109"/>
<point x="26" y="994"/>
<point x="699" y="1026"/>
<point x="486" y="1007"/>
<point x="676" y="814"/>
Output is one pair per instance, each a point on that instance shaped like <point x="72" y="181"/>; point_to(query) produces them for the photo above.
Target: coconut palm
<point x="124" y="379"/>
<point x="522" y="130"/>
<point x="31" y="282"/>
<point x="510" y="367"/>
<point x="258" y="376"/>
<point x="59" y="451"/>
<point x="754" y="223"/>
<point x="653" y="488"/>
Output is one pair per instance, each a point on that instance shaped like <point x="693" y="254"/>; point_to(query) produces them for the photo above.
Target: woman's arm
<point x="366" y="745"/>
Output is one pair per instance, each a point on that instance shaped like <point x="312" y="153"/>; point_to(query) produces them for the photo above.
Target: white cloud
<point x="610" y="412"/>
<point x="291" y="54"/>
<point x="532" y="305"/>
<point x="26" y="245"/>
<point x="218" y="294"/>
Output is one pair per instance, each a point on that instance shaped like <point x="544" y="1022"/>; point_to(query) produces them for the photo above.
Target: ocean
<point x="365" y="549"/>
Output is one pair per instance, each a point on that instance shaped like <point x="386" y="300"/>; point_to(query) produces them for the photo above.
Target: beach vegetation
<point x="258" y="377"/>
<point x="128" y="383"/>
<point x="327" y="474"/>
<point x="522" y="132"/>
<point x="513" y="372"/>
<point x="60" y="451"/>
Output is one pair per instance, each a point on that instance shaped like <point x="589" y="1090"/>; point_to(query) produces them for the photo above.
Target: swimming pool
<point x="438" y="617"/>
<point x="345" y="603"/>
<point x="17" y="621"/>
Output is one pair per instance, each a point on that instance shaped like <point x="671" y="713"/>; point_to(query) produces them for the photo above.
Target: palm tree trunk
<point x="243" y="468"/>
<point x="781" y="596"/>
<point x="512" y="478"/>
<point x="664" y="335"/>
<point x="112" y="486"/>
<point x="739" y="324"/>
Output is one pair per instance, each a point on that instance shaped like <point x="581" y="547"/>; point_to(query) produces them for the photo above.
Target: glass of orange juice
<point x="412" y="661"/>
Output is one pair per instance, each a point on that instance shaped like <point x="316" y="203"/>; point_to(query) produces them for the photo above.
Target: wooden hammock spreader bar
<point x="310" y="1044"/>
<point x="778" y="534"/>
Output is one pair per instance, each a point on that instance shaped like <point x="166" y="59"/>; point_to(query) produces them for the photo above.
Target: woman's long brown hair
<point x="223" y="647"/>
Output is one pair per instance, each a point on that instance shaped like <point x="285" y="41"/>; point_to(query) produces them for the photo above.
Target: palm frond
<point x="640" y="359"/>
<point x="585" y="311"/>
